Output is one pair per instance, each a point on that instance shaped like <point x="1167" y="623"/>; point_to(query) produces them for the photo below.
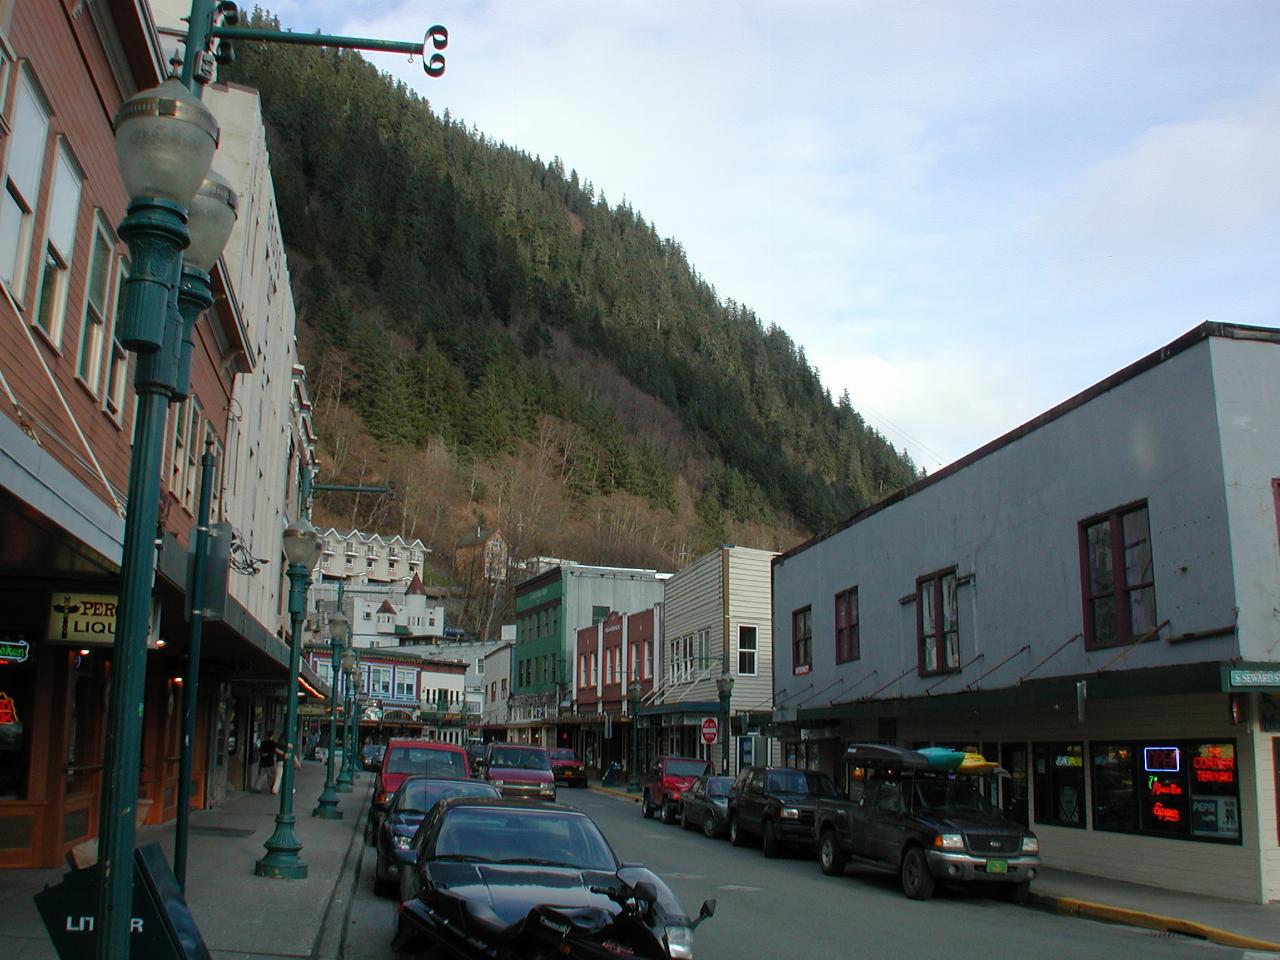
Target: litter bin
<point x="613" y="775"/>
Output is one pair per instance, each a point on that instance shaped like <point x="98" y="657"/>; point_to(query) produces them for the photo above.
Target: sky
<point x="964" y="211"/>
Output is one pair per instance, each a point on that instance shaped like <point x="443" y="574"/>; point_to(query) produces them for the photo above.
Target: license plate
<point x="997" y="866"/>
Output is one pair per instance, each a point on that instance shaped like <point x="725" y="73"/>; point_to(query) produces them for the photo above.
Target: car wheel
<point x="381" y="886"/>
<point x="368" y="831"/>
<point x="668" y="810"/>
<point x="709" y="828"/>
<point x="736" y="836"/>
<point x="1016" y="892"/>
<point x="769" y="838"/>
<point x="646" y="808"/>
<point x="830" y="856"/>
<point x="684" y="817"/>
<point x="917" y="882"/>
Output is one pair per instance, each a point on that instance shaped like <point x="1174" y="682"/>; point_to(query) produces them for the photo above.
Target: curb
<point x="331" y="937"/>
<point x="1070" y="906"/>
<point x="620" y="794"/>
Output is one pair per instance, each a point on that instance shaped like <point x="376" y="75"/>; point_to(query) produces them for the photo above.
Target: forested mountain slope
<point x="482" y="314"/>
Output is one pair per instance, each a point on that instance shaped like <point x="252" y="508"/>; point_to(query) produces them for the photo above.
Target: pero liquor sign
<point x="82" y="618"/>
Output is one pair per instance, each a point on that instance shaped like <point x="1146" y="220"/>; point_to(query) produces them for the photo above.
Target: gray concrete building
<point x="1090" y="599"/>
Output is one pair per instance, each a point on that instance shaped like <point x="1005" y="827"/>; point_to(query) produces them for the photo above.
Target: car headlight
<point x="1030" y="845"/>
<point x="949" y="841"/>
<point x="679" y="943"/>
<point x="403" y="842"/>
<point x="498" y="783"/>
<point x="548" y="790"/>
<point x="790" y="813"/>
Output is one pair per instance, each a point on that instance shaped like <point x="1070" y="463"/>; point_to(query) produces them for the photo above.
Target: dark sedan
<point x="706" y="805"/>
<point x="539" y="879"/>
<point x="412" y="802"/>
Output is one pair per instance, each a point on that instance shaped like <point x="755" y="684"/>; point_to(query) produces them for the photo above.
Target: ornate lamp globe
<point x="165" y="139"/>
<point x="724" y="686"/>
<point x="211" y="218"/>
<point x="339" y="629"/>
<point x="302" y="545"/>
<point x="349" y="660"/>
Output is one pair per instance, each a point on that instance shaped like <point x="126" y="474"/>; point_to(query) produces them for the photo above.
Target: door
<point x="884" y="822"/>
<point x="751" y="803"/>
<point x="1014" y="788"/>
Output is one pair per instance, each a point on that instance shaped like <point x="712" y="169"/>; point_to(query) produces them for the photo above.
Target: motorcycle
<point x="634" y="916"/>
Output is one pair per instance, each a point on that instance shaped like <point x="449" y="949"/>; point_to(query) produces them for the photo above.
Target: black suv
<point x="776" y="804"/>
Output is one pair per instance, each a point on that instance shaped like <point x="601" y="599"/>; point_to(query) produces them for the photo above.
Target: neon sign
<point x="8" y="710"/>
<point x="1162" y="788"/>
<point x="14" y="651"/>
<point x="1211" y="766"/>
<point x="1161" y="759"/>
<point x="1166" y="814"/>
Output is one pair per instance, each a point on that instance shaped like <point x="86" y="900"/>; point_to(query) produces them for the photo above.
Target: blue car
<point x="413" y="800"/>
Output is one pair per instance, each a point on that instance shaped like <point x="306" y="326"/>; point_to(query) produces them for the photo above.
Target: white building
<point x="497" y="686"/>
<point x="370" y="558"/>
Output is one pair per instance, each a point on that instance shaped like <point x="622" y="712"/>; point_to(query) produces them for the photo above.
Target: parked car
<point x="776" y="804"/>
<point x="567" y="768"/>
<point x="414" y="799"/>
<point x="520" y="770"/>
<point x="475" y="752"/>
<point x="371" y="755"/>
<point x="921" y="815"/>
<point x="412" y="758"/>
<point x="517" y="878"/>
<point x="665" y="783"/>
<point x="705" y="805"/>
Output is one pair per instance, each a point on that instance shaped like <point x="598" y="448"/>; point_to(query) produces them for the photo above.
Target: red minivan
<point x="413" y="758"/>
<point x="520" y="770"/>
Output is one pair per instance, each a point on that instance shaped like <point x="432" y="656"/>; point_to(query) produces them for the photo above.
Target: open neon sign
<point x="1161" y="759"/>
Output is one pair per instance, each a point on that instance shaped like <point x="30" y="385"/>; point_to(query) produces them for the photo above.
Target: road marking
<point x="739" y="888"/>
<point x="685" y="876"/>
<point x="657" y="836"/>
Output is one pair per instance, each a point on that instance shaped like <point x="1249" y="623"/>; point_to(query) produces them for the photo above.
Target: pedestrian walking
<point x="268" y="753"/>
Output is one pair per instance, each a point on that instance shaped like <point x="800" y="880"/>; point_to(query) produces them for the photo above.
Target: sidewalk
<point x="1232" y="923"/>
<point x="239" y="914"/>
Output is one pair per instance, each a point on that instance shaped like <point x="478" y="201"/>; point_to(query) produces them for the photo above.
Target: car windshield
<point x="562" y="754"/>
<point x="719" y="786"/>
<point x="422" y="795"/>
<point x="426" y="762"/>
<point x="957" y="795"/>
<point x="800" y="781"/>
<point x="513" y="835"/>
<point x="519" y="758"/>
<point x="687" y="768"/>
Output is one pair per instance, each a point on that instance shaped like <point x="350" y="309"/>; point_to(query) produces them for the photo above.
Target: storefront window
<point x="17" y="696"/>
<point x="1115" y="796"/>
<point x="1180" y="789"/>
<point x="84" y="723"/>
<point x="1059" y="784"/>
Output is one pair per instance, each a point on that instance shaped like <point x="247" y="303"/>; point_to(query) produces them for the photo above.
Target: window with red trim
<point x="802" y="640"/>
<point x="937" y="624"/>
<point x="847" y="647"/>
<point x="1117" y="575"/>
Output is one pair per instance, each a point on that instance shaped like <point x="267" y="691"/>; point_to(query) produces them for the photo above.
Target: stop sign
<point x="710" y="729"/>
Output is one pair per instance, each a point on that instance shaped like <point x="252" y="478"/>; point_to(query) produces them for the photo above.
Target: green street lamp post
<point x="327" y="804"/>
<point x="724" y="687"/>
<point x="357" y="705"/>
<point x="165" y="141"/>
<point x="349" y="658"/>
<point x="633" y="782"/>
<point x="302" y="548"/>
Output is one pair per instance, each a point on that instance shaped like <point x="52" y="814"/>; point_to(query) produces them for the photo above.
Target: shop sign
<point x="82" y="618"/>
<point x="1255" y="678"/>
<point x="8" y="710"/>
<point x="1214" y="763"/>
<point x="14" y="651"/>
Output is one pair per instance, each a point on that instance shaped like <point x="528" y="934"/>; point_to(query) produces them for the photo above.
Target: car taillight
<point x="382" y="797"/>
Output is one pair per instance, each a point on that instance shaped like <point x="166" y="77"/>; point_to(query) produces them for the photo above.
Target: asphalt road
<point x="786" y="909"/>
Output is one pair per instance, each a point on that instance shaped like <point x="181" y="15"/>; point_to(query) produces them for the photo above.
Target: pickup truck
<point x="925" y="824"/>
<point x="665" y="783"/>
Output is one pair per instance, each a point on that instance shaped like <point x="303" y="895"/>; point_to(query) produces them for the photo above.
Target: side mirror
<point x="708" y="910"/>
<point x="645" y="890"/>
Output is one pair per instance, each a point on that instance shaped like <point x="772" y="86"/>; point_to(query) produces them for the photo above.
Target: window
<point x="479" y="665"/>
<point x="1118" y="577"/>
<point x="504" y="686"/>
<point x="97" y="291"/>
<point x="802" y="640"/>
<point x="21" y="182"/>
<point x="406" y="683"/>
<point x="747" y="651"/>
<point x="60" y="236"/>
<point x="847" y="626"/>
<point x="1184" y="790"/>
<point x="1059" y="784"/>
<point x="599" y="614"/>
<point x="118" y="360"/>
<point x="379" y="681"/>
<point x="936" y="623"/>
<point x="191" y="474"/>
